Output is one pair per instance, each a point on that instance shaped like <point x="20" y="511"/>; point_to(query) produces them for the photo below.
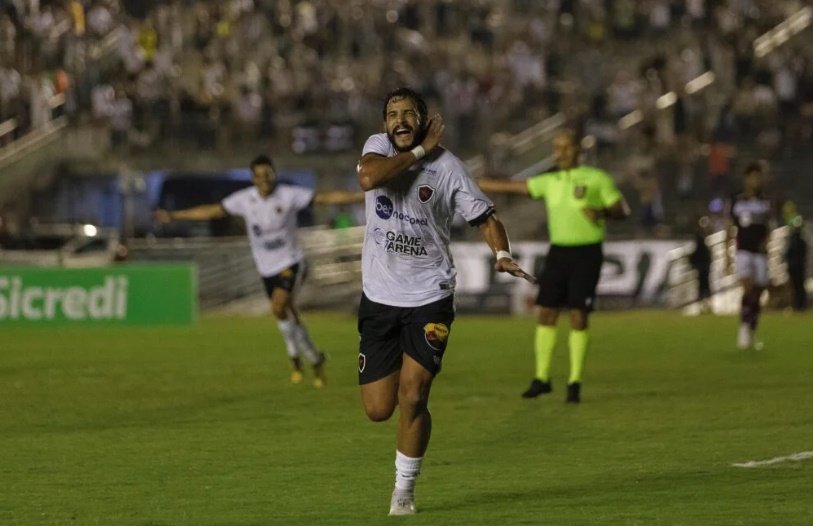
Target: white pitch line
<point x="796" y="457"/>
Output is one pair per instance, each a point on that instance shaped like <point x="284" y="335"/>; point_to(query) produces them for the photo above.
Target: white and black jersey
<point x="752" y="217"/>
<point x="271" y="224"/>
<point x="406" y="260"/>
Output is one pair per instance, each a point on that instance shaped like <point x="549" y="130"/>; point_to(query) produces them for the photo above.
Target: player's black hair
<point x="414" y="96"/>
<point x="755" y="166"/>
<point x="261" y="160"/>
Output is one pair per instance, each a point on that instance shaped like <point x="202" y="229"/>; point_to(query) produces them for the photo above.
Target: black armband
<point x="482" y="218"/>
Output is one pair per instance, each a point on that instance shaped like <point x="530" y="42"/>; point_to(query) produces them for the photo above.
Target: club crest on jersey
<point x="279" y="209"/>
<point x="425" y="193"/>
<point x="362" y="362"/>
<point x="580" y="191"/>
<point x="436" y="335"/>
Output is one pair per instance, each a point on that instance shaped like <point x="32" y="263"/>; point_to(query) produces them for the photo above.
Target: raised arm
<point x="497" y="239"/>
<point x="197" y="213"/>
<point x="375" y="171"/>
<point x="503" y="186"/>
<point x="338" y="198"/>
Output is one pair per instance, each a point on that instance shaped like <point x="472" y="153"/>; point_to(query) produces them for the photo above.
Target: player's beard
<point x="411" y="145"/>
<point x="417" y="137"/>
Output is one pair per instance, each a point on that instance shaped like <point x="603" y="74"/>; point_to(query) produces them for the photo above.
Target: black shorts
<point x="570" y="277"/>
<point x="388" y="332"/>
<point x="286" y="280"/>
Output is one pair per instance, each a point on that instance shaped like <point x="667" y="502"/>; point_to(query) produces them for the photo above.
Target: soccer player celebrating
<point x="578" y="199"/>
<point x="269" y="209"/>
<point x="413" y="189"/>
<point x="750" y="215"/>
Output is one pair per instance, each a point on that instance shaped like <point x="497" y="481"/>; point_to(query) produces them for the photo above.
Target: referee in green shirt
<point x="578" y="200"/>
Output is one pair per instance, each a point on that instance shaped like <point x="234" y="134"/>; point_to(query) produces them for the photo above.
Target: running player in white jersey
<point x="750" y="216"/>
<point x="269" y="209"/>
<point x="413" y="189"/>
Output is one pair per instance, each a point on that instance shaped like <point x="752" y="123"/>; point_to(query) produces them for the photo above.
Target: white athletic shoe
<point x="402" y="503"/>
<point x="745" y="337"/>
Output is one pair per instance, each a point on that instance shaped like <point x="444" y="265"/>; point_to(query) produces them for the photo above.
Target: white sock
<point x="305" y="345"/>
<point x="288" y="330"/>
<point x="406" y="471"/>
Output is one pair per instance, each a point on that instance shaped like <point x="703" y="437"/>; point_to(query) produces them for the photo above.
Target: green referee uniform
<point x="566" y="193"/>
<point x="573" y="265"/>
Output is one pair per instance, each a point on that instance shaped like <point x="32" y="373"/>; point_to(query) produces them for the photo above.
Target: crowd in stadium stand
<point x="212" y="72"/>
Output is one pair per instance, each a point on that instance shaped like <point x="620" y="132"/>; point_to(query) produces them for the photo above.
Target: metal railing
<point x="32" y="138"/>
<point x="763" y="45"/>
<point x="682" y="283"/>
<point x="227" y="273"/>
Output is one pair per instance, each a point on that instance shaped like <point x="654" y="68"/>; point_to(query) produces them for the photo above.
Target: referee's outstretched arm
<point x="503" y="186"/>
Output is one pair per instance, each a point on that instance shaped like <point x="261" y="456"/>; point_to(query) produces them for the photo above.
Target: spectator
<point x="700" y="260"/>
<point x="796" y="256"/>
<point x="121" y="116"/>
<point x="100" y="20"/>
<point x="719" y="164"/>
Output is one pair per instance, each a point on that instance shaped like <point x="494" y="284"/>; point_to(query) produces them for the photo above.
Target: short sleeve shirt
<point x="566" y="193"/>
<point x="271" y="224"/>
<point x="752" y="217"/>
<point x="406" y="261"/>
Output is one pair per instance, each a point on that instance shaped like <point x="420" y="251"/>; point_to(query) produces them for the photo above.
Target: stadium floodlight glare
<point x="588" y="142"/>
<point x="777" y="36"/>
<point x="700" y="82"/>
<point x="90" y="230"/>
<point x="666" y="100"/>
<point x="630" y="119"/>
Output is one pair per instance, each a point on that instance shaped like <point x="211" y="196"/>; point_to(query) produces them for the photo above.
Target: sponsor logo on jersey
<point x="580" y="191"/>
<point x="385" y="210"/>
<point x="273" y="244"/>
<point x="383" y="207"/>
<point x="362" y="362"/>
<point x="425" y="193"/>
<point x="399" y="243"/>
<point x="436" y="335"/>
<point x="409" y="219"/>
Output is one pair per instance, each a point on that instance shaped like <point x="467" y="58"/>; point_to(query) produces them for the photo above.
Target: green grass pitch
<point x="199" y="426"/>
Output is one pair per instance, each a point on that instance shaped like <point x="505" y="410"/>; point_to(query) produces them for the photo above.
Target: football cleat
<point x="745" y="337"/>
<point x="402" y="503"/>
<point x="573" y="393"/>
<point x="296" y="376"/>
<point x="538" y="387"/>
<point x="319" y="372"/>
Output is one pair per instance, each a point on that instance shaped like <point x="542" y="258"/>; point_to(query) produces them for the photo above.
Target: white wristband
<point x="501" y="254"/>
<point x="418" y="152"/>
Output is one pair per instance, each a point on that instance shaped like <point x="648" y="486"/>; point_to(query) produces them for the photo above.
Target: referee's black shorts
<point x="570" y="277"/>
